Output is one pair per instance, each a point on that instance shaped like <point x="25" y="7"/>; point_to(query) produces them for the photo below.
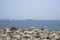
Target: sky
<point x="30" y="9"/>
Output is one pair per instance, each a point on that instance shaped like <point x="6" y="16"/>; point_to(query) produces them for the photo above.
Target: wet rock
<point x="13" y="28"/>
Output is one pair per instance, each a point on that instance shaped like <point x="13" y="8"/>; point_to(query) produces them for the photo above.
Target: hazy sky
<point x="30" y="9"/>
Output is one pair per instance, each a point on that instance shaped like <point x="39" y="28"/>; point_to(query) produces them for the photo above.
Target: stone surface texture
<point x="28" y="34"/>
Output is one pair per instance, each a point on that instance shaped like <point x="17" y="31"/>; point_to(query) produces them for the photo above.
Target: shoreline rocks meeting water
<point x="28" y="34"/>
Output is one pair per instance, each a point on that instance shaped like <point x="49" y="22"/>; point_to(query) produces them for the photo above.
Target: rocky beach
<point x="32" y="33"/>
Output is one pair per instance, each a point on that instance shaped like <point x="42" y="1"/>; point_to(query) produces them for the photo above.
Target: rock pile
<point x="28" y="34"/>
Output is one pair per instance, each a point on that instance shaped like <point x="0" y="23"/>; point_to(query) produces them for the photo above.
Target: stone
<point x="30" y="34"/>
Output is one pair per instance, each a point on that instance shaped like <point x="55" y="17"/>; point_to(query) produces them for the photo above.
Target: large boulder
<point x="13" y="28"/>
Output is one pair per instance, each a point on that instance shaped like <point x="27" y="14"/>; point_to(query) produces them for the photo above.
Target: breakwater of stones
<point x="28" y="34"/>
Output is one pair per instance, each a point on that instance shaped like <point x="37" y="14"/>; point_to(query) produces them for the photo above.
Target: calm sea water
<point x="49" y="24"/>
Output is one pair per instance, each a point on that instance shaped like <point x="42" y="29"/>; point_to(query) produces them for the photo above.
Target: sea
<point x="46" y="24"/>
